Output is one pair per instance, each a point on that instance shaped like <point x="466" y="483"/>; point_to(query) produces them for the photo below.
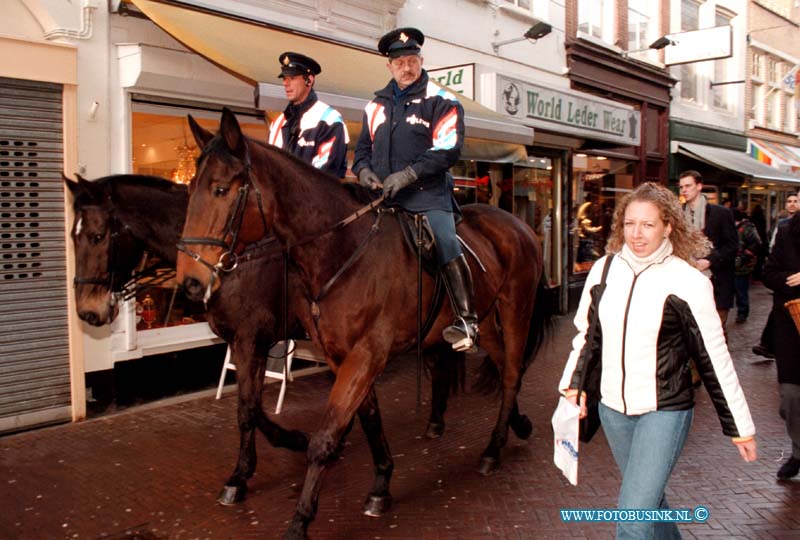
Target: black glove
<point x="397" y="181"/>
<point x="369" y="179"/>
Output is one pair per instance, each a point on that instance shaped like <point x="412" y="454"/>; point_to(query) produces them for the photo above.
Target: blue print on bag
<point x="567" y="445"/>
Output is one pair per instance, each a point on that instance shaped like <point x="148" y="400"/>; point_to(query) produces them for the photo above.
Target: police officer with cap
<point x="308" y="128"/>
<point x="412" y="133"/>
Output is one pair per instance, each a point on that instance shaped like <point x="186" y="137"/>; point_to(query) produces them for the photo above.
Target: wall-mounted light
<point x="660" y="43"/>
<point x="535" y="32"/>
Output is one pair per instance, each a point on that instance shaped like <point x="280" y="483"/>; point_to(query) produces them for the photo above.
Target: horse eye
<point x="96" y="239"/>
<point x="221" y="191"/>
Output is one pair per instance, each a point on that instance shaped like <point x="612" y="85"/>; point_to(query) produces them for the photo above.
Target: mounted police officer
<point x="309" y="128"/>
<point x="412" y="133"/>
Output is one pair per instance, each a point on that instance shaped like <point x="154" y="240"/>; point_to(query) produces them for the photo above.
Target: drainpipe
<point x="86" y="25"/>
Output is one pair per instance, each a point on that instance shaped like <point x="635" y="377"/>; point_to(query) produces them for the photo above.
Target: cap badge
<point x="285" y="60"/>
<point x="403" y="37"/>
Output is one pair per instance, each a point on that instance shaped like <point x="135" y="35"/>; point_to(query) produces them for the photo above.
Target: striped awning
<point x="777" y="155"/>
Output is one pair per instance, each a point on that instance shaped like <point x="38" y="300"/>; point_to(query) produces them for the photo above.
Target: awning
<point x="350" y="73"/>
<point x="777" y="155"/>
<point x="737" y="162"/>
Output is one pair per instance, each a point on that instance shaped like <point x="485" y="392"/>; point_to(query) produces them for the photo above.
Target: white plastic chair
<point x="274" y="369"/>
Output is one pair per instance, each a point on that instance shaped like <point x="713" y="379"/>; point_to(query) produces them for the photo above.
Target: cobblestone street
<point x="153" y="472"/>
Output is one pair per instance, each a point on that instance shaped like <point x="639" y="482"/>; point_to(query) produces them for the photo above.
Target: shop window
<point x="533" y="196"/>
<point x="162" y="145"/>
<point x="468" y="183"/>
<point x="598" y="184"/>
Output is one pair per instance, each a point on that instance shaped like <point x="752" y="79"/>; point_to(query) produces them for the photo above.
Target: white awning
<point x="737" y="162"/>
<point x="350" y="73"/>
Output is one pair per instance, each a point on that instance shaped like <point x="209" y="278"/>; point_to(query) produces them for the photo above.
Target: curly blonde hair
<point x="687" y="244"/>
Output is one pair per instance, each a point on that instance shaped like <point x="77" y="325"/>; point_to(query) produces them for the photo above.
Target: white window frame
<point x="604" y="10"/>
<point x="649" y="10"/>
<point x="721" y="96"/>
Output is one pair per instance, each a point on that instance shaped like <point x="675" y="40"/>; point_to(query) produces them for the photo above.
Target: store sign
<point x="460" y="79"/>
<point x="571" y="113"/>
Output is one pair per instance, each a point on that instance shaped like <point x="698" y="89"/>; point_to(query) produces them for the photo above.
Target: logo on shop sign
<point x="511" y="98"/>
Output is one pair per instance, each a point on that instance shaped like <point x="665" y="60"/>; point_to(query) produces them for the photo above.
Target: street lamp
<point x="538" y="30"/>
<point x="660" y="43"/>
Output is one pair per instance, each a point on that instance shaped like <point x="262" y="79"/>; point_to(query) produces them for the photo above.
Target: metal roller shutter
<point x="34" y="347"/>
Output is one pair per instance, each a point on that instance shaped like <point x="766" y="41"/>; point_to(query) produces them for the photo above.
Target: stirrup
<point x="463" y="342"/>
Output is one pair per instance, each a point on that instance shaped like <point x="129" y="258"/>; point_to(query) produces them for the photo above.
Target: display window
<point x="598" y="184"/>
<point x="163" y="145"/>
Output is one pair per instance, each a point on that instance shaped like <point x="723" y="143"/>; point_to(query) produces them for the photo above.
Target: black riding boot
<point x="463" y="333"/>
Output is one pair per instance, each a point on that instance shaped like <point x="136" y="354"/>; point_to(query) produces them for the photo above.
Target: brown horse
<point x="116" y="219"/>
<point x="365" y="314"/>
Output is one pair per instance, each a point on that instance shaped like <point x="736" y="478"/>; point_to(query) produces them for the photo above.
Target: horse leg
<point x="379" y="500"/>
<point x="505" y="351"/>
<point x="447" y="368"/>
<point x="354" y="380"/>
<point x="250" y="365"/>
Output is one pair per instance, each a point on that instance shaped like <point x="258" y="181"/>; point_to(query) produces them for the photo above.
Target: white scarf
<point x="638" y="264"/>
<point x="696" y="213"/>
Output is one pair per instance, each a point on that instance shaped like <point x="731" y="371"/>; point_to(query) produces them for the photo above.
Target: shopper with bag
<point x="782" y="275"/>
<point x="657" y="312"/>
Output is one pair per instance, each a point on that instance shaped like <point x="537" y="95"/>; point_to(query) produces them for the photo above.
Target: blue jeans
<point x="443" y="225"/>
<point x="646" y="448"/>
<point x="742" y="286"/>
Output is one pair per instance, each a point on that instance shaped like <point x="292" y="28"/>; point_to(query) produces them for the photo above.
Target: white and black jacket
<point x="650" y="326"/>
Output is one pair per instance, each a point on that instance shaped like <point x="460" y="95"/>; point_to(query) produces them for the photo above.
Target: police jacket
<point x="423" y="129"/>
<point x="314" y="132"/>
<point x="650" y="326"/>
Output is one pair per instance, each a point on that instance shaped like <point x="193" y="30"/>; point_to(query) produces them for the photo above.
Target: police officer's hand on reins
<point x="369" y="179"/>
<point x="397" y="181"/>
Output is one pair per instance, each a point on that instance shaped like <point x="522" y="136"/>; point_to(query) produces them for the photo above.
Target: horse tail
<point x="542" y="322"/>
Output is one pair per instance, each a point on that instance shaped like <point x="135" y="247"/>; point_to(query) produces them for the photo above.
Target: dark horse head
<point x="110" y="238"/>
<point x="222" y="200"/>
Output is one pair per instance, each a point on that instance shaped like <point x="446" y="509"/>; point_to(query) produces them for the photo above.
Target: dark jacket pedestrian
<point x="721" y="230"/>
<point x="782" y="275"/>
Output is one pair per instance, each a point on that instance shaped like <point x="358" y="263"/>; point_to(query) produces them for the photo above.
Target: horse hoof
<point x="435" y="430"/>
<point x="231" y="495"/>
<point x="522" y="427"/>
<point x="377" y="505"/>
<point x="488" y="465"/>
<point x="296" y="531"/>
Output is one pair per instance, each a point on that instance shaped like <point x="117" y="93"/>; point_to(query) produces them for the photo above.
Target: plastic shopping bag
<point x="565" y="428"/>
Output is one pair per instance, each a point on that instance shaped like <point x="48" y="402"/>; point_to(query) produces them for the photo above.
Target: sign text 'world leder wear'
<point x="576" y="113"/>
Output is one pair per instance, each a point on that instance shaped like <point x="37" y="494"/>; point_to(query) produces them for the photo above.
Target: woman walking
<point x="657" y="313"/>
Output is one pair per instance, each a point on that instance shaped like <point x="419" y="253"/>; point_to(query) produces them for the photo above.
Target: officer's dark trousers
<point x="444" y="231"/>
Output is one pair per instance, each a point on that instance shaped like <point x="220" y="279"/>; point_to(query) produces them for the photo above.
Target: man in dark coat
<point x="717" y="224"/>
<point x="308" y="128"/>
<point x="412" y="133"/>
<point x="782" y="275"/>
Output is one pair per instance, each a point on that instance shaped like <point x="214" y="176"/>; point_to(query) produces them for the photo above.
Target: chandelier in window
<point x="185" y="170"/>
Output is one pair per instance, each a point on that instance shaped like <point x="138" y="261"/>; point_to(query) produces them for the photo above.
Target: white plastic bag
<point x="565" y="428"/>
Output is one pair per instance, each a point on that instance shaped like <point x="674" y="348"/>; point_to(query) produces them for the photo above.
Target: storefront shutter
<point x="34" y="353"/>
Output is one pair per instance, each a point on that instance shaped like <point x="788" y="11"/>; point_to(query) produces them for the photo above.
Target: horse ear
<point x="74" y="187"/>
<point x="231" y="132"/>
<point x="201" y="135"/>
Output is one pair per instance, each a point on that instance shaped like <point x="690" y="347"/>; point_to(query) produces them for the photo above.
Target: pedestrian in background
<point x="657" y="313"/>
<point x="764" y="347"/>
<point x="782" y="275"/>
<point x="746" y="260"/>
<point x="716" y="223"/>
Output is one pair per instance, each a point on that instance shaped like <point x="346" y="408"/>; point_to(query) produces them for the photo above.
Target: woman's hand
<point x="747" y="449"/>
<point x="572" y="397"/>
<point x="793" y="280"/>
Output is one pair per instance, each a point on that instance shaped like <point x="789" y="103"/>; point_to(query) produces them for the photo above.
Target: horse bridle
<point x="106" y="279"/>
<point x="228" y="260"/>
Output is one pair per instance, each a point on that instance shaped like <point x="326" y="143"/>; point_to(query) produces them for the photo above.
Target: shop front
<point x="161" y="86"/>
<point x="585" y="158"/>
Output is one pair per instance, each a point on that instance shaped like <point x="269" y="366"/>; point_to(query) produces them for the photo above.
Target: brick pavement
<point x="153" y="473"/>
